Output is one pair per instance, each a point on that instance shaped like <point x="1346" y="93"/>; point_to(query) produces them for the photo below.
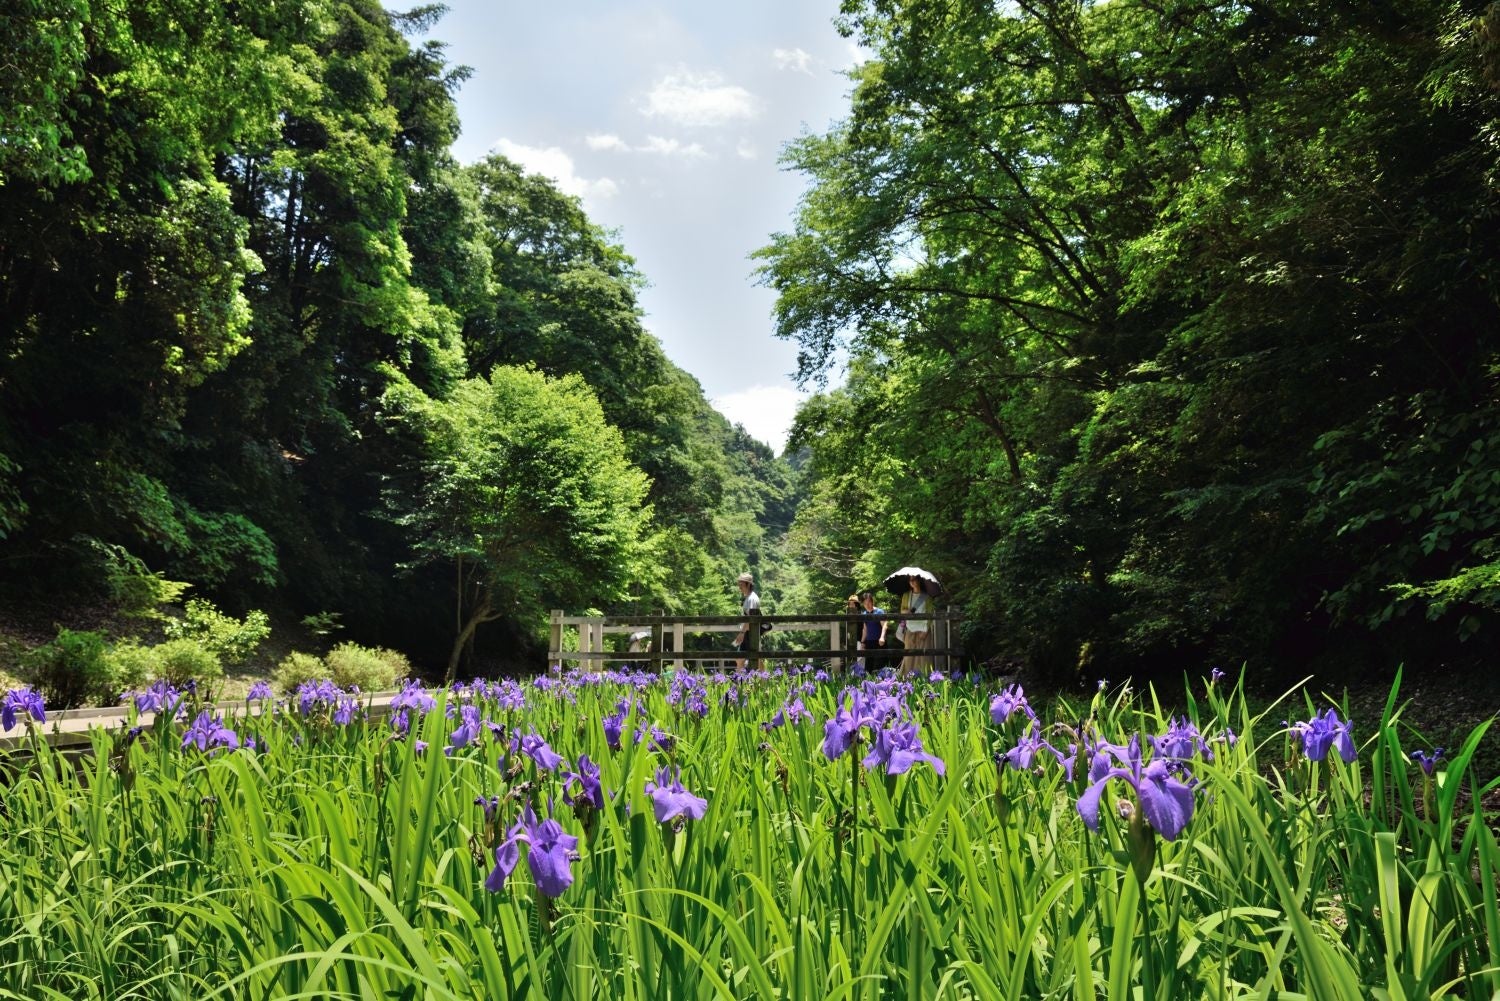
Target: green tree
<point x="526" y="492"/>
<point x="1181" y="316"/>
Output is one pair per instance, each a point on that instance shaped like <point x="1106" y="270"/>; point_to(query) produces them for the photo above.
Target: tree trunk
<point x="477" y="618"/>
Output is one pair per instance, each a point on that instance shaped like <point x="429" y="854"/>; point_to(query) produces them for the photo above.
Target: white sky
<point x="667" y="119"/>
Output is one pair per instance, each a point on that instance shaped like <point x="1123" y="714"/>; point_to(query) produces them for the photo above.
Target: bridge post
<point x="554" y="638"/>
<point x="656" y="633"/>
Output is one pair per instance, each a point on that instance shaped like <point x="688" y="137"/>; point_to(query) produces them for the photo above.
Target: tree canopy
<point x="234" y="243"/>
<point x="1172" y="325"/>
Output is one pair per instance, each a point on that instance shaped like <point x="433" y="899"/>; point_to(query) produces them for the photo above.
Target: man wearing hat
<point x="750" y="607"/>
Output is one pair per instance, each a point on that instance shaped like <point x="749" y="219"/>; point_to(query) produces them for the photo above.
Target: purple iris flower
<point x="590" y="789"/>
<point x="660" y="740"/>
<point x="670" y="799"/>
<point x="1023" y="755"/>
<point x="537" y="749"/>
<point x="842" y="731"/>
<point x="614" y="725"/>
<point x="345" y="711"/>
<point x="413" y="696"/>
<point x="791" y="712"/>
<point x="1427" y="761"/>
<point x="25" y="700"/>
<point x="259" y="691"/>
<point x="510" y="695"/>
<point x="313" y="695"/>
<point x="1166" y="802"/>
<point x="550" y="855"/>
<point x="1321" y="733"/>
<point x="1181" y="741"/>
<point x="1215" y="676"/>
<point x="468" y="729"/>
<point x="160" y="697"/>
<point x="209" y="732"/>
<point x="1010" y="700"/>
<point x="898" y="748"/>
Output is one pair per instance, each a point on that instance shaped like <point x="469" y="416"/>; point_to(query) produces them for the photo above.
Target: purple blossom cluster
<point x="21" y="703"/>
<point x="209" y="733"/>
<point x="1164" y="799"/>
<point x="550" y="854"/>
<point x="1325" y="732"/>
<point x="1155" y="768"/>
<point x="161" y="697"/>
<point x="877" y="711"/>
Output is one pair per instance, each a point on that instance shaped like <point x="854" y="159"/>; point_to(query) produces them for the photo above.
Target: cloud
<point x="745" y="150"/>
<point x="672" y="147"/>
<point x="654" y="145"/>
<point x="606" y="141"/>
<point x="792" y="59"/>
<point x="554" y="163"/>
<point x="765" y="411"/>
<point x="699" y="99"/>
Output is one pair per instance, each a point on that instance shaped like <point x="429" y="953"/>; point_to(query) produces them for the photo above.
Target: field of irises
<point x="770" y="834"/>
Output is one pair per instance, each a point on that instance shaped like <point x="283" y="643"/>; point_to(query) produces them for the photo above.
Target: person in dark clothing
<point x="875" y="623"/>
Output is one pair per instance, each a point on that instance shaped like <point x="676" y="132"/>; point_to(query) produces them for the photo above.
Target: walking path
<point x="70" y="727"/>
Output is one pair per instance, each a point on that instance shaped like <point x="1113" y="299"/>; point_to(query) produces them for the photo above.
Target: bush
<point x="182" y="660"/>
<point x="231" y="639"/>
<point x="131" y="664"/>
<point x="371" y="668"/>
<point x="297" y="667"/>
<point x="72" y="670"/>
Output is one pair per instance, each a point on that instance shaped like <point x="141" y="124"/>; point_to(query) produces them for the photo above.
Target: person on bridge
<point x="914" y="632"/>
<point x="874" y="627"/>
<point x="750" y="606"/>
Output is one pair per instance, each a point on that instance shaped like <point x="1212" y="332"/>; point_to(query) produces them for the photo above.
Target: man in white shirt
<point x="750" y="606"/>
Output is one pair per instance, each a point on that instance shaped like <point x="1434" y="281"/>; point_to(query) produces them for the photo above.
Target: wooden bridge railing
<point x="588" y="635"/>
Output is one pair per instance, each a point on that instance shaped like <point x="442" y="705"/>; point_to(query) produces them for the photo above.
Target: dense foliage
<point x="1170" y="328"/>
<point x="769" y="834"/>
<point x="234" y="250"/>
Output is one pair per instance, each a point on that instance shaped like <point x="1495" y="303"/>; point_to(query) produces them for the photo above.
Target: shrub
<point x="72" y="670"/>
<point x="371" y="668"/>
<point x="182" y="660"/>
<point x="297" y="667"/>
<point x="131" y="664"/>
<point x="233" y="640"/>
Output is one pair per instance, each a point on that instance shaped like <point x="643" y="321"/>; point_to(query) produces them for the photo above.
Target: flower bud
<point x="1141" y="840"/>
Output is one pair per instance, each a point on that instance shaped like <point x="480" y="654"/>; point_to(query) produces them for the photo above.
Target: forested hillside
<point x="260" y="333"/>
<point x="1165" y="333"/>
<point x="1171" y="329"/>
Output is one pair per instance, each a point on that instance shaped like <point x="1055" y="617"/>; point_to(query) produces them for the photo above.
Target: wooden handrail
<point x="669" y="634"/>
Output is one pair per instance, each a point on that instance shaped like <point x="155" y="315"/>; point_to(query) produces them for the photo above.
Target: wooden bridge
<point x="684" y="639"/>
